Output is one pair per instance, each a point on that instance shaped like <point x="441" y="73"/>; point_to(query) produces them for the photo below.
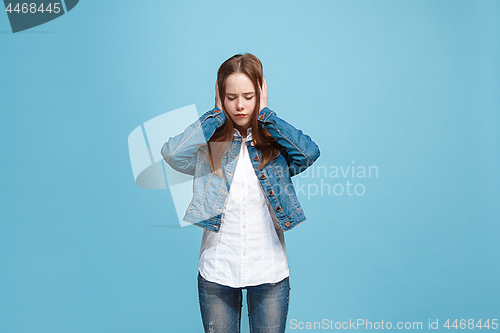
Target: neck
<point x="242" y="130"/>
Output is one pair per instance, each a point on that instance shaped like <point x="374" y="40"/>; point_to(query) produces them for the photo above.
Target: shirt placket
<point x="244" y="221"/>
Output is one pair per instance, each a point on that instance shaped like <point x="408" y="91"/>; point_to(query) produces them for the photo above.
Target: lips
<point x="240" y="115"/>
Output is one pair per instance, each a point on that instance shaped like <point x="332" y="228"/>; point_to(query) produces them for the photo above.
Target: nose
<point x="239" y="104"/>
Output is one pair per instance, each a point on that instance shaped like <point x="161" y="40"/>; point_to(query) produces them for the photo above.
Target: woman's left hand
<point x="263" y="94"/>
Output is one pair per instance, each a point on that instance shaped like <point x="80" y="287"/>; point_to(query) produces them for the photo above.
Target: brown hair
<point x="218" y="144"/>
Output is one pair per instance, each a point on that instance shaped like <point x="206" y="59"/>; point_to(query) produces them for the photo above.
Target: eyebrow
<point x="246" y="93"/>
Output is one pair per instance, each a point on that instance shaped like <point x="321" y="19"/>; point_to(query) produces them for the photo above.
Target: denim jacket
<point x="188" y="153"/>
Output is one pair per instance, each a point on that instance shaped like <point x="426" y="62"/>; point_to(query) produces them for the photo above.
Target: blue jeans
<point x="221" y="306"/>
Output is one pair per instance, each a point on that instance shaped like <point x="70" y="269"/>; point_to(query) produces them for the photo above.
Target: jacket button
<point x="287" y="224"/>
<point x="271" y="193"/>
<point x="278" y="209"/>
<point x="252" y="143"/>
<point x="263" y="176"/>
<point x="256" y="158"/>
<point x="217" y="110"/>
<point x="261" y="117"/>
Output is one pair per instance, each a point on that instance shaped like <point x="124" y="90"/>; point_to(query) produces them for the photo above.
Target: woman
<point x="242" y="156"/>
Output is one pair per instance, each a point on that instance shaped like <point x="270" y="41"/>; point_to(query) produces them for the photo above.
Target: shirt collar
<point x="249" y="133"/>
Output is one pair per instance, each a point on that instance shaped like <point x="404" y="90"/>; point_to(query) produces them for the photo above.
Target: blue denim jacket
<point x="188" y="153"/>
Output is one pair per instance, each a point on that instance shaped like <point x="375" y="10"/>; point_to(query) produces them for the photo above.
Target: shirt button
<point x="244" y="253"/>
<point x="244" y="226"/>
<point x="243" y="199"/>
<point x="242" y="184"/>
<point x="243" y="212"/>
<point x="244" y="239"/>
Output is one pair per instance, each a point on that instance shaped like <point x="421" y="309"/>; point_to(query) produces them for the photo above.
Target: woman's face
<point x="240" y="100"/>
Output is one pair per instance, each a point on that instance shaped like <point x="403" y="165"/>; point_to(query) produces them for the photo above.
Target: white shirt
<point x="249" y="248"/>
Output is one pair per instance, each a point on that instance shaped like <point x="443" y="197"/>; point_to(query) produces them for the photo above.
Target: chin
<point x="238" y="122"/>
<point x="243" y="124"/>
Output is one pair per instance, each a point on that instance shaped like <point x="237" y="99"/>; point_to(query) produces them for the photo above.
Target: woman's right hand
<point x="263" y="95"/>
<point x="218" y="103"/>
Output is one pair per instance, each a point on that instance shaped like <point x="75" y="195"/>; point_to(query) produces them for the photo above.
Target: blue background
<point x="411" y="87"/>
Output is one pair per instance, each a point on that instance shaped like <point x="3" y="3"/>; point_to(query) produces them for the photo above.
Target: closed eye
<point x="233" y="98"/>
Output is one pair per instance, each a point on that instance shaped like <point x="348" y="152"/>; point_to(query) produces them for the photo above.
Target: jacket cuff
<point x="219" y="114"/>
<point x="264" y="115"/>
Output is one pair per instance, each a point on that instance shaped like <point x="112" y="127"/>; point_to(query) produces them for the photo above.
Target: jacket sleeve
<point x="301" y="150"/>
<point x="180" y="151"/>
